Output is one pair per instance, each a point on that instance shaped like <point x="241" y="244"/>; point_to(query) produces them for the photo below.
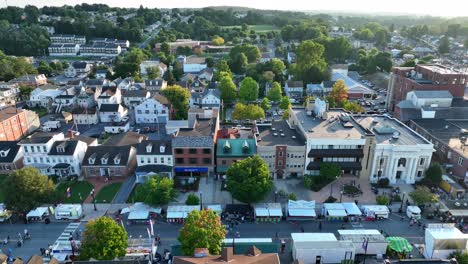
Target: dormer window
<point x="117" y="159"/>
<point x="162" y="148"/>
<point x="92" y="158"/>
<point x="105" y="158"/>
<point x="227" y="147"/>
<point x="245" y="146"/>
<point x="3" y="153"/>
<point x="61" y="148"/>
<point x="149" y="148"/>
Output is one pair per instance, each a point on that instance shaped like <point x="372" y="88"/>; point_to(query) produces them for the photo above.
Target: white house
<point x="77" y="68"/>
<point x="155" y="84"/>
<point x="194" y="64"/>
<point x="65" y="157"/>
<point x="87" y="97"/>
<point x="112" y="112"/>
<point x="44" y="96"/>
<point x="123" y="84"/>
<point x="36" y="148"/>
<point x="85" y="116"/>
<point x="63" y="49"/>
<point x="430" y="98"/>
<point x="154" y="157"/>
<point x="153" y="110"/>
<point x="110" y="95"/>
<point x="294" y="89"/>
<point x="208" y="98"/>
<point x="133" y="98"/>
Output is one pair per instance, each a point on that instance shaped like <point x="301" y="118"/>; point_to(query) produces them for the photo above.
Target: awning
<point x="138" y="215"/>
<point x="276" y="212"/>
<point x="337" y="213"/>
<point x="174" y="215"/>
<point x="399" y="244"/>
<point x="38" y="212"/>
<point x="62" y="166"/>
<point x="302" y="212"/>
<point x="262" y="212"/>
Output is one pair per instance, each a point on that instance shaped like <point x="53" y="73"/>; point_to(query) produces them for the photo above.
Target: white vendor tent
<point x="139" y="211"/>
<point x="268" y="212"/>
<point x="38" y="213"/>
<point x="334" y="211"/>
<point x="301" y="210"/>
<point x="177" y="213"/>
<point x="352" y="209"/>
<point x="376" y="241"/>
<point x="443" y="239"/>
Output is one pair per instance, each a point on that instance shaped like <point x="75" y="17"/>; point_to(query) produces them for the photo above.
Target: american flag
<point x="68" y="192"/>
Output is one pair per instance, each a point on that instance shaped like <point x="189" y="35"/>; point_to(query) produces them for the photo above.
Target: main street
<point x="43" y="234"/>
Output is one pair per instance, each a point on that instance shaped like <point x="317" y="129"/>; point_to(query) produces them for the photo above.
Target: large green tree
<point x="156" y="191"/>
<point x="422" y="195"/>
<point x="202" y="229"/>
<point x="285" y="103"/>
<point x="311" y="65"/>
<point x="26" y="188"/>
<point x="251" y="52"/>
<point x="434" y="173"/>
<point x="179" y="98"/>
<point x="249" y="180"/>
<point x="248" y="90"/>
<point x="13" y="67"/>
<point x="221" y="66"/>
<point x="227" y="89"/>
<point x="274" y="94"/>
<point x="444" y="46"/>
<point x="103" y="239"/>
<point x="329" y="170"/>
<point x="250" y="111"/>
<point x="265" y="104"/>
<point x="239" y="63"/>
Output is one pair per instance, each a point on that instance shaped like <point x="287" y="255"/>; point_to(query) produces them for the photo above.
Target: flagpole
<point x="365" y="249"/>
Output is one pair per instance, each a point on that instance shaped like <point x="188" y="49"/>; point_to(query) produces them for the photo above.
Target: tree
<point x="169" y="77"/>
<point x="285" y="103"/>
<point x="227" y="89"/>
<point x="103" y="239"/>
<point x="179" y="98"/>
<point x="460" y="256"/>
<point x="382" y="200"/>
<point x="44" y="68"/>
<point x="434" y="173"/>
<point x="251" y="51"/>
<point x="274" y="94"/>
<point x="25" y="189"/>
<point x="330" y="170"/>
<point x="249" y="180"/>
<point x="311" y="65"/>
<point x="192" y="199"/>
<point x="165" y="48"/>
<point x="202" y="229"/>
<point x="156" y="191"/>
<point x="248" y="90"/>
<point x="339" y="91"/>
<point x="250" y="111"/>
<point x="209" y="62"/>
<point x="152" y="72"/>
<point x="423" y="195"/>
<point x="265" y="104"/>
<point x="221" y="66"/>
<point x="25" y="91"/>
<point x="444" y="45"/>
<point x="217" y="41"/>
<point x="239" y="63"/>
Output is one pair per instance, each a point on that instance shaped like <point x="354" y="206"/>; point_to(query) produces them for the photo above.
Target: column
<point x="394" y="168"/>
<point x="388" y="167"/>
<point x="413" y="169"/>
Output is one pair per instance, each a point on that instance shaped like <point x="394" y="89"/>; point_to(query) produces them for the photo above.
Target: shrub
<point x="382" y="200"/>
<point x="351" y="189"/>
<point x="316" y="183"/>
<point x="330" y="199"/>
<point x="192" y="199"/>
<point x="383" y="183"/>
<point x="292" y="196"/>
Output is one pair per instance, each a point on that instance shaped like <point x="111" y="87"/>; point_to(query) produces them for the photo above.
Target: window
<point x="193" y="161"/>
<point x="419" y="173"/>
<point x="460" y="161"/>
<point x="421" y="161"/>
<point x="193" y="151"/>
<point x="26" y="149"/>
<point x="162" y="159"/>
<point x="179" y="151"/>
<point x="180" y="160"/>
<point x="142" y="160"/>
<point x="280" y="163"/>
<point x="280" y="154"/>
<point x="223" y="162"/>
<point x="206" y="160"/>
<point x="206" y="151"/>
<point x="44" y="148"/>
<point x="148" y="160"/>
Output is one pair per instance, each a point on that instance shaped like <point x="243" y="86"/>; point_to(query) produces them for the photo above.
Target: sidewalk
<point x="102" y="210"/>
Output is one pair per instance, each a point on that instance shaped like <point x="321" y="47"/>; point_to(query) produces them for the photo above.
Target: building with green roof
<point x="229" y="151"/>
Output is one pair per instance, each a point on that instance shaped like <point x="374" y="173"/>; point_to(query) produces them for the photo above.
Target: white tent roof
<point x="261" y="212"/>
<point x="138" y="215"/>
<point x="268" y="209"/>
<point x="140" y="211"/>
<point x="308" y="237"/>
<point x="333" y="206"/>
<point x="335" y="212"/>
<point x="181" y="211"/>
<point x="214" y="207"/>
<point x="38" y="212"/>
<point x="352" y="209"/>
<point x="301" y="208"/>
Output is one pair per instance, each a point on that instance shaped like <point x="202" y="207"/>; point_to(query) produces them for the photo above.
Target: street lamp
<point x="341" y="195"/>
<point x="93" y="194"/>
<point x="276" y="195"/>
<point x="201" y="201"/>
<point x="402" y="200"/>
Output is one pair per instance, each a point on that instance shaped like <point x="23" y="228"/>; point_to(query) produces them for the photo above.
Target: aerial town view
<point x="243" y="132"/>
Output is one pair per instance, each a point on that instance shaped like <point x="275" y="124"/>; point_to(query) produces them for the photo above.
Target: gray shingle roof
<point x="432" y="94"/>
<point x="12" y="147"/>
<point x="193" y="142"/>
<point x="98" y="152"/>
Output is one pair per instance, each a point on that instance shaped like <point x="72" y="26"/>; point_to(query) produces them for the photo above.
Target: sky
<point x="449" y="8"/>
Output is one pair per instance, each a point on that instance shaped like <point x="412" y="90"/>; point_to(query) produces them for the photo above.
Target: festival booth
<point x="373" y="212"/>
<point x="139" y="249"/>
<point x="365" y="241"/>
<point x="38" y="214"/>
<point x="216" y="208"/>
<point x="352" y="210"/>
<point x="301" y="210"/>
<point x="398" y="247"/>
<point x="4" y="213"/>
<point x="268" y="212"/>
<point x="441" y="240"/>
<point x="140" y="213"/>
<point x="178" y="213"/>
<point x="334" y="212"/>
<point x="311" y="248"/>
<point x="68" y="212"/>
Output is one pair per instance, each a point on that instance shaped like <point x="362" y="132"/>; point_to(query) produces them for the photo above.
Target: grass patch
<point x="316" y="182"/>
<point x="350" y="189"/>
<point x="2" y="178"/>
<point x="108" y="192"/>
<point x="39" y="111"/>
<point x="79" y="191"/>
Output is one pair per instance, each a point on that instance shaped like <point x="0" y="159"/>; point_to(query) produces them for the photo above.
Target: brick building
<point x="17" y="123"/>
<point x="424" y="77"/>
<point x="230" y="151"/>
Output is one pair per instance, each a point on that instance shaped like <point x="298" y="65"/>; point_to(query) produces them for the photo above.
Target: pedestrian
<point x="47" y="253"/>
<point x="50" y="248"/>
<point x="158" y="239"/>
<point x="302" y="229"/>
<point x="42" y="251"/>
<point x="26" y="233"/>
<point x="283" y="245"/>
<point x="243" y="219"/>
<point x="320" y="226"/>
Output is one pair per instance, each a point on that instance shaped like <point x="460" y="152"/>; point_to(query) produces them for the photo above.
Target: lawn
<point x="79" y="191"/>
<point x="107" y="193"/>
<point x="2" y="178"/>
<point x="131" y="197"/>
<point x="39" y="111"/>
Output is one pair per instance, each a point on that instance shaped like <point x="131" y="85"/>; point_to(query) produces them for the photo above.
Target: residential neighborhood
<point x="136" y="133"/>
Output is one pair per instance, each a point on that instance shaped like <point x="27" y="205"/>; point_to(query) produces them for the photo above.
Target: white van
<point x="413" y="212"/>
<point x="68" y="212"/>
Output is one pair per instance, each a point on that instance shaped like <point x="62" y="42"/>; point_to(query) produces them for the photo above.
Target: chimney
<point x="227" y="254"/>
<point x="70" y="134"/>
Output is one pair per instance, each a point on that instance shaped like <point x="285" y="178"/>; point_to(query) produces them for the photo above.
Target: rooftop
<point x="445" y="232"/>
<point x="432" y="94"/>
<point x="9" y="112"/>
<point x="279" y="133"/>
<point x="449" y="132"/>
<point x="317" y="237"/>
<point x="195" y="60"/>
<point x="239" y="147"/>
<point x="125" y="139"/>
<point x="360" y="235"/>
<point x="439" y="69"/>
<point x="384" y="128"/>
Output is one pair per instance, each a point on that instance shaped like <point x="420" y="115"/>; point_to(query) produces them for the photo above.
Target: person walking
<point x="320" y="225"/>
<point x="283" y="245"/>
<point x="158" y="239"/>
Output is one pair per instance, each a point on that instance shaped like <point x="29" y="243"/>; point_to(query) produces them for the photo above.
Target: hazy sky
<point x="431" y="7"/>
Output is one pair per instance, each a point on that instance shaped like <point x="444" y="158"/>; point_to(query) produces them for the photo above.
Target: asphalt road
<point x="43" y="234"/>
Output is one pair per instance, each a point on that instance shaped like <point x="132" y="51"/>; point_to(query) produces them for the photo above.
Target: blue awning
<point x="190" y="169"/>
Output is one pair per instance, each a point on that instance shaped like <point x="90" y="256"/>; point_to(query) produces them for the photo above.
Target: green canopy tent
<point x="399" y="245"/>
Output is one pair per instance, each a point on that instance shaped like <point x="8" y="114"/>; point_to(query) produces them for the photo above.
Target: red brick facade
<point x="13" y="125"/>
<point x="193" y="157"/>
<point x="280" y="160"/>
